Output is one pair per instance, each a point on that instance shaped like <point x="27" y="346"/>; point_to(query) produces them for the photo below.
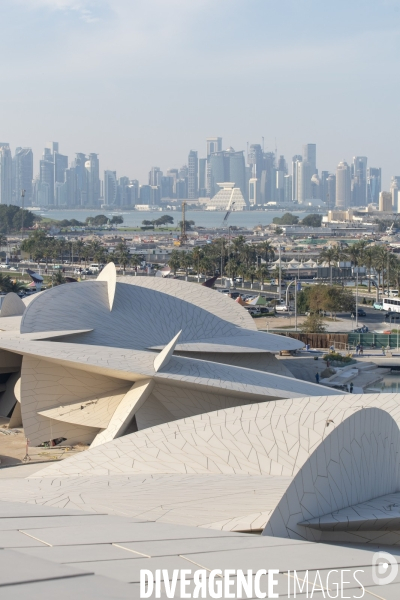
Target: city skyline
<point x="255" y="177"/>
<point x="280" y="71"/>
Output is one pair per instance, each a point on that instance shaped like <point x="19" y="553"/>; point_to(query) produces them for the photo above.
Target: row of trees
<point x="376" y="259"/>
<point x="162" y="221"/>
<point x="237" y="259"/>
<point x="42" y="247"/>
<point x="313" y="220"/>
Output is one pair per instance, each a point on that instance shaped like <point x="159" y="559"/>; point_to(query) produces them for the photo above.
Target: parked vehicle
<point x="391" y="305"/>
<point x="95" y="268"/>
<point x="281" y="308"/>
<point x="238" y="279"/>
<point x="77" y="271"/>
<point x="224" y="291"/>
<point x="253" y="310"/>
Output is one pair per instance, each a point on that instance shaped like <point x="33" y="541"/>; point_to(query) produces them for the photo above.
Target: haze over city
<point x="143" y="83"/>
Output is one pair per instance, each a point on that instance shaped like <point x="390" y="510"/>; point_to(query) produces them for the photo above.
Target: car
<point x="361" y="312"/>
<point x="281" y="308"/>
<point x="392" y="315"/>
<point x="253" y="310"/>
<point x="77" y="271"/>
<point x="13" y="269"/>
<point x="238" y="279"/>
<point x="378" y="306"/>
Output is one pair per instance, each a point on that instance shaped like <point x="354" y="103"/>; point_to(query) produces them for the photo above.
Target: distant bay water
<point x="203" y="218"/>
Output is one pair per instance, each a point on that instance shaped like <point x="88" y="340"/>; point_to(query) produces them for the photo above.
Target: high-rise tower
<point x="193" y="179"/>
<point x="5" y="174"/>
<point x="359" y="181"/>
<point x="310" y="156"/>
<point x="343" y="185"/>
<point x="22" y="175"/>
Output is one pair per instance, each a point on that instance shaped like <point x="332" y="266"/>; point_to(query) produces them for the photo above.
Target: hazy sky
<point x="142" y="82"/>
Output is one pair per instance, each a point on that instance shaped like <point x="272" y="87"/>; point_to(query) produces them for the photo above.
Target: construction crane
<point x="226" y="217"/>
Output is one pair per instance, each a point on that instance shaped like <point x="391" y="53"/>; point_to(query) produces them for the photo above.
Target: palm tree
<point x="328" y="255"/>
<point x="122" y="255"/>
<point x="86" y="253"/>
<point x="174" y="261"/>
<point x="266" y="251"/>
<point x="262" y="273"/>
<point x="186" y="262"/>
<point x="368" y="258"/>
<point x="252" y="274"/>
<point x="136" y="259"/>
<point x="380" y="264"/>
<point x="7" y="285"/>
<point x="197" y="254"/>
<point x="78" y="247"/>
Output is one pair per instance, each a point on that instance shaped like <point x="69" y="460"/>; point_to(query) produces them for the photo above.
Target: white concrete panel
<point x="163" y="358"/>
<point x="109" y="275"/>
<point x="12" y="306"/>
<point x="125" y="410"/>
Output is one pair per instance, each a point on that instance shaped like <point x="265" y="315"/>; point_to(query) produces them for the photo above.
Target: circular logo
<point x="384" y="568"/>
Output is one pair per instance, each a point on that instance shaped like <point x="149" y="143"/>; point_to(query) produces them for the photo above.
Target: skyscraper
<point x="22" y="175"/>
<point x="60" y="166"/>
<point x="287" y="188"/>
<point x="268" y="178"/>
<point x="110" y="188"/>
<point x="193" y="167"/>
<point x="93" y="180"/>
<point x="295" y="160"/>
<point x="255" y="159"/>
<point x="304" y="174"/>
<point x="46" y="185"/>
<point x="214" y="144"/>
<point x="310" y="156"/>
<point x="331" y="191"/>
<point x="155" y="176"/>
<point x="359" y="181"/>
<point x="81" y="179"/>
<point x="395" y="191"/>
<point x="343" y="186"/>
<point x="5" y="174"/>
<point x="374" y="178"/>
<point x="202" y="177"/>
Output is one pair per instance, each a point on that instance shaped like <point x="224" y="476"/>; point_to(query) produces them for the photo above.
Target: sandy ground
<point x="13" y="448"/>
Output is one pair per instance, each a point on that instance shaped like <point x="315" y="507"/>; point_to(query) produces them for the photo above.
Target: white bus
<point x="391" y="304"/>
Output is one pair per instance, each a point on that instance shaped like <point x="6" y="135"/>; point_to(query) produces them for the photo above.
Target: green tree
<point x="58" y="279"/>
<point x="186" y="261"/>
<point x="164" y="220"/>
<point x="174" y="261"/>
<point x="313" y="324"/>
<point x="261" y="274"/>
<point x="314" y="220"/>
<point x="117" y="220"/>
<point x="122" y="255"/>
<point x="97" y="221"/>
<point x="286" y="219"/>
